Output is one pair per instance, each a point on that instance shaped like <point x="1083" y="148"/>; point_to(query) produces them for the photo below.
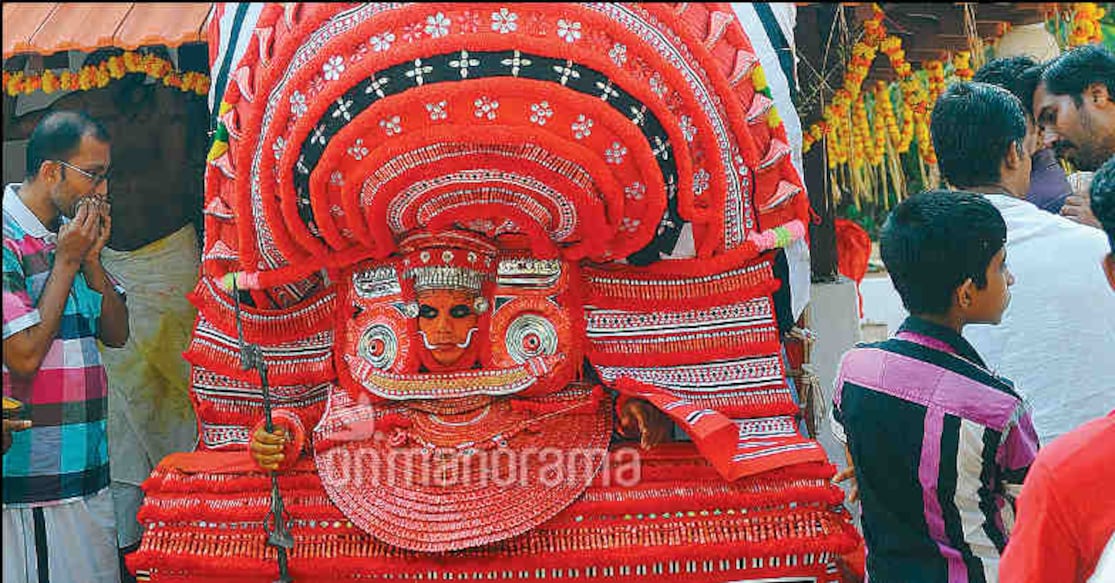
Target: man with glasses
<point x="58" y="522"/>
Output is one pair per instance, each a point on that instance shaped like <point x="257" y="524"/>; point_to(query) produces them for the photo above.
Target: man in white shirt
<point x="1057" y="339"/>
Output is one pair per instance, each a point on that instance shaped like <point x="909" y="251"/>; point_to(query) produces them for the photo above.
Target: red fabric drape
<point x="853" y="249"/>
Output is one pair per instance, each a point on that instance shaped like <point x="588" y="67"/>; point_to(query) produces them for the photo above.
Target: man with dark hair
<point x="154" y="252"/>
<point x="1019" y="74"/>
<point x="984" y="142"/>
<point x="938" y="445"/>
<point x="1049" y="187"/>
<point x="1065" y="529"/>
<point x="1075" y="104"/>
<point x="58" y="302"/>
<point x="976" y="129"/>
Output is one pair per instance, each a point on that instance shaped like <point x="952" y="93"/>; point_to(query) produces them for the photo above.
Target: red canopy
<point x="50" y="27"/>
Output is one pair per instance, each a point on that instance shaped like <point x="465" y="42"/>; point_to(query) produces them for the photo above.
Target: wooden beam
<point x="812" y="31"/>
<point x="940" y="28"/>
<point x="1017" y="14"/>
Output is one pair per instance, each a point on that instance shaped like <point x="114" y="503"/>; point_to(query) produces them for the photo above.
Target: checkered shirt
<point x="64" y="456"/>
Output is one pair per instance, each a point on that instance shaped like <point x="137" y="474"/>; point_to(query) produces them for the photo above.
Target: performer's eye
<point x="427" y="311"/>
<point x="460" y="311"/>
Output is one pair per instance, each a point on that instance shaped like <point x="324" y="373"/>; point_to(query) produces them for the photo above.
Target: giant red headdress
<point x="610" y="130"/>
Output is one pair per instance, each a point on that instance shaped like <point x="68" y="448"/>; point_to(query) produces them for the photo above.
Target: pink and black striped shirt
<point x="940" y="447"/>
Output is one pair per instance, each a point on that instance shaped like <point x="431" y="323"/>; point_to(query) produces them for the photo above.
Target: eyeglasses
<point x="96" y="179"/>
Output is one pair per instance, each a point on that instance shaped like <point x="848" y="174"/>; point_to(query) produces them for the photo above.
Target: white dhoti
<point x="71" y="541"/>
<point x="149" y="411"/>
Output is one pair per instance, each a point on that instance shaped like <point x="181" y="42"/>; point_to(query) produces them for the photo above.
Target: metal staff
<point x="274" y="524"/>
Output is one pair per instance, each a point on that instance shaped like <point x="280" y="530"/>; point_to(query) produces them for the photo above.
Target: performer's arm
<point x="652" y="425"/>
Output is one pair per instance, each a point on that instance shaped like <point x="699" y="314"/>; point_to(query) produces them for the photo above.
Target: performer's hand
<point x="652" y="425"/>
<point x="11" y="425"/>
<point x="849" y="473"/>
<point x="267" y="448"/>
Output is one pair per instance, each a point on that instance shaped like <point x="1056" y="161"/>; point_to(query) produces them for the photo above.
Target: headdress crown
<point x="447" y="260"/>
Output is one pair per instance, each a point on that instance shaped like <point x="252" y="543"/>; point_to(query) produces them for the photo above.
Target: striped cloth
<point x="64" y="455"/>
<point x="940" y="447"/>
<point x="735" y="447"/>
<point x="230" y="31"/>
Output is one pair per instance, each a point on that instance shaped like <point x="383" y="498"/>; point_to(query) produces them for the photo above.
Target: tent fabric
<point x="49" y="27"/>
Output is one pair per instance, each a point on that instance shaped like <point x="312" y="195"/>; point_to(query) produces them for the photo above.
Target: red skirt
<point x="667" y="516"/>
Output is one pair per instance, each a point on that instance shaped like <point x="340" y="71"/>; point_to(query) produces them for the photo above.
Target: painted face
<point x="81" y="179"/>
<point x="447" y="325"/>
<point x="989" y="303"/>
<point x="1073" y="132"/>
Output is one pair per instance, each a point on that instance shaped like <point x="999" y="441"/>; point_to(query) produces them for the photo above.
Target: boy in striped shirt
<point x="939" y="445"/>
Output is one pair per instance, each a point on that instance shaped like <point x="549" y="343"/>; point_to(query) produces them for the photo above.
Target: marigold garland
<point x="863" y="53"/>
<point x="884" y="108"/>
<point x="1086" y="27"/>
<point x="962" y="62"/>
<point x="98" y="76"/>
<point x="861" y="135"/>
<point x="935" y="72"/>
<point x="868" y="133"/>
<point x="879" y="128"/>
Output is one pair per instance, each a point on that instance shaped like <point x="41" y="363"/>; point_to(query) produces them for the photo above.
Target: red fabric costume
<point x="592" y="192"/>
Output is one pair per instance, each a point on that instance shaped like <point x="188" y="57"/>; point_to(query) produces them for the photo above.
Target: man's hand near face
<point x="1078" y="205"/>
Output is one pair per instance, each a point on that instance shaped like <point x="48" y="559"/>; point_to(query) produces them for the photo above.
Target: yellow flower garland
<point x="1086" y="28"/>
<point x="90" y="76"/>
<point x="935" y="70"/>
<point x="884" y="109"/>
<point x="864" y="139"/>
<point x="962" y="61"/>
<point x="863" y="53"/>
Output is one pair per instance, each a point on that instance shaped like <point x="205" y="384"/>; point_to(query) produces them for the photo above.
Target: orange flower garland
<point x="917" y="100"/>
<point x="892" y="48"/>
<point x="863" y="53"/>
<point x="861" y="135"/>
<point x="879" y="127"/>
<point x="1086" y="28"/>
<point x="837" y="148"/>
<point x="868" y="138"/>
<point x="962" y="63"/>
<point x="850" y="139"/>
<point x="935" y="72"/>
<point x="925" y="141"/>
<point x="101" y="75"/>
<point x="884" y="109"/>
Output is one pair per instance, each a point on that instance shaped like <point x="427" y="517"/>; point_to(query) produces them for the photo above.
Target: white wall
<point x="833" y="318"/>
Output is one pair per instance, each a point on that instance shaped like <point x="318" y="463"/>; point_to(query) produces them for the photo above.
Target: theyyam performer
<point x="511" y="271"/>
